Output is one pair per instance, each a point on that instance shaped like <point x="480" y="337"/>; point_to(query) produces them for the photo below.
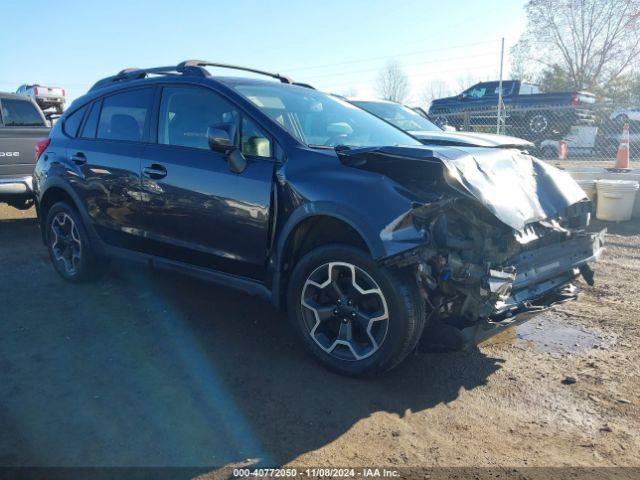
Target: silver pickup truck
<point x="22" y="126"/>
<point x="45" y="97"/>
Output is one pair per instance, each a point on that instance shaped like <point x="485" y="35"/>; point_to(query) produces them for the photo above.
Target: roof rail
<point x="204" y="63"/>
<point x="188" y="67"/>
<point x="134" y="74"/>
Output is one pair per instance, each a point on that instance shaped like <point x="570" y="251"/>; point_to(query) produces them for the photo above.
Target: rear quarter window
<point x="20" y="113"/>
<point x="73" y="121"/>
<point x="91" y="124"/>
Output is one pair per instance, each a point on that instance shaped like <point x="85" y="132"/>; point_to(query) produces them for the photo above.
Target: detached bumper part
<point x="543" y="280"/>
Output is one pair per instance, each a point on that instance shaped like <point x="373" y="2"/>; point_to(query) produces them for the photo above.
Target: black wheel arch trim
<point x="309" y="210"/>
<point x="55" y="182"/>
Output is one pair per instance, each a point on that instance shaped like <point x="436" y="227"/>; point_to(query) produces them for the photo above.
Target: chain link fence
<point x="592" y="131"/>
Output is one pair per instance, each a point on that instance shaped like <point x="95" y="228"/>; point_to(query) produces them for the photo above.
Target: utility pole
<point x="499" y="121"/>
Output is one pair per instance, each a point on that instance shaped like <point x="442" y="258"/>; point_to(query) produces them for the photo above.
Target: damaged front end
<point x="478" y="275"/>
<point x="490" y="259"/>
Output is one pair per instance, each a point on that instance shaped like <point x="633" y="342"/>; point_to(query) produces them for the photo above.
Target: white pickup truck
<point x="45" y="97"/>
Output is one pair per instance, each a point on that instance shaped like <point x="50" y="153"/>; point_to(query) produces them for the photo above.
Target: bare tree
<point x="349" y="92"/>
<point x="393" y="83"/>
<point x="464" y="82"/>
<point x="592" y="42"/>
<point x="432" y="90"/>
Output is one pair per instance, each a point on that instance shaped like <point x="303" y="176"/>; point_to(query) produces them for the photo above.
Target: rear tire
<point x="69" y="247"/>
<point x="356" y="317"/>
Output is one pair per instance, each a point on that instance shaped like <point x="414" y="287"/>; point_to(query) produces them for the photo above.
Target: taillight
<point x="36" y="90"/>
<point x="41" y="146"/>
<point x="64" y="94"/>
<point x="575" y="100"/>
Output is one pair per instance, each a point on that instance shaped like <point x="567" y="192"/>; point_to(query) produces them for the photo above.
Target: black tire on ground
<point x="69" y="247"/>
<point x="394" y="338"/>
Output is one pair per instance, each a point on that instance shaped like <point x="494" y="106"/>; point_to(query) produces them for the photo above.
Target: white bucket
<point x="589" y="187"/>
<point x="615" y="199"/>
<point x="633" y="176"/>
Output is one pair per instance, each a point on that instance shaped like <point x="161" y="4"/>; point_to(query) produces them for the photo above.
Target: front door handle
<point x="155" y="171"/>
<point x="79" y="158"/>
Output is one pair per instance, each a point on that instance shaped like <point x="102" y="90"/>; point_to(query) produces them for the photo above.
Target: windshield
<point x="399" y="115"/>
<point x="320" y="120"/>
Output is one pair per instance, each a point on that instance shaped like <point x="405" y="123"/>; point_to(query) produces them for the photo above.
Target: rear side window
<point x="91" y="124"/>
<point x="125" y="116"/>
<point x="20" y="113"/>
<point x="73" y="121"/>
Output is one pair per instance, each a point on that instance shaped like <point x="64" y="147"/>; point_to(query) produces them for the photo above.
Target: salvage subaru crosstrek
<point x="364" y="235"/>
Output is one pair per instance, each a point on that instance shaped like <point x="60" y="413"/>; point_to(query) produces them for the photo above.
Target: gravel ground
<point x="145" y="368"/>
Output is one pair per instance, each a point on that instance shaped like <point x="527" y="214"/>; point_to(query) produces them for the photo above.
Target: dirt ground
<point x="145" y="368"/>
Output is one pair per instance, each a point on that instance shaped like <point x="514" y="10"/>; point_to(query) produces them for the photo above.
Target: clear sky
<point x="338" y="46"/>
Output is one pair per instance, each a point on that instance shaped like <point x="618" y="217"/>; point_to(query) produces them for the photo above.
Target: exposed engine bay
<point x="477" y="270"/>
<point x="503" y="237"/>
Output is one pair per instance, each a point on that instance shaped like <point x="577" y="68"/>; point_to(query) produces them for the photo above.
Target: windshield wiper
<point x="328" y="147"/>
<point x="322" y="147"/>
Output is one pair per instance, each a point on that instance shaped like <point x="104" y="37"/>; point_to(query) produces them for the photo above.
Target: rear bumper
<point x="16" y="187"/>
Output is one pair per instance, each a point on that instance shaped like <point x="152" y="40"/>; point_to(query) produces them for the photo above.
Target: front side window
<point x="481" y="90"/>
<point x="255" y="142"/>
<point x="20" y="113"/>
<point x="186" y="114"/>
<point x="125" y="116"/>
<point x="320" y="120"/>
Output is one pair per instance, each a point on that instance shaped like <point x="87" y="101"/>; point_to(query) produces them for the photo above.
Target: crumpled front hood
<point x="517" y="188"/>
<point x="472" y="139"/>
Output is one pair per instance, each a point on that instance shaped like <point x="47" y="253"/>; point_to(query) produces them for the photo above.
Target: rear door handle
<point x="155" y="171"/>
<point x="79" y="158"/>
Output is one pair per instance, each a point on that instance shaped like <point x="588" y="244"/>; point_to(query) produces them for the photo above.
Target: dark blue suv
<point x="360" y="232"/>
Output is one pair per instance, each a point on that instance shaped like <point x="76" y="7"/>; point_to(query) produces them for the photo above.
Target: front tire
<point x="69" y="247"/>
<point x="356" y="317"/>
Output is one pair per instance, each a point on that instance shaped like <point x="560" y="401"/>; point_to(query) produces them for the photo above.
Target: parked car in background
<point x="22" y="126"/>
<point x="625" y="115"/>
<point x="359" y="231"/>
<point x="45" y="97"/>
<point x="429" y="133"/>
<point x="530" y="114"/>
<point x="581" y="142"/>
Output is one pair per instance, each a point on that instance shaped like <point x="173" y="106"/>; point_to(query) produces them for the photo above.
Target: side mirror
<point x="222" y="137"/>
<point x="237" y="161"/>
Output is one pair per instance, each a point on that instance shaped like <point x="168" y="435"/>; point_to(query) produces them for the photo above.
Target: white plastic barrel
<point x="615" y="199"/>
<point x="589" y="187"/>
